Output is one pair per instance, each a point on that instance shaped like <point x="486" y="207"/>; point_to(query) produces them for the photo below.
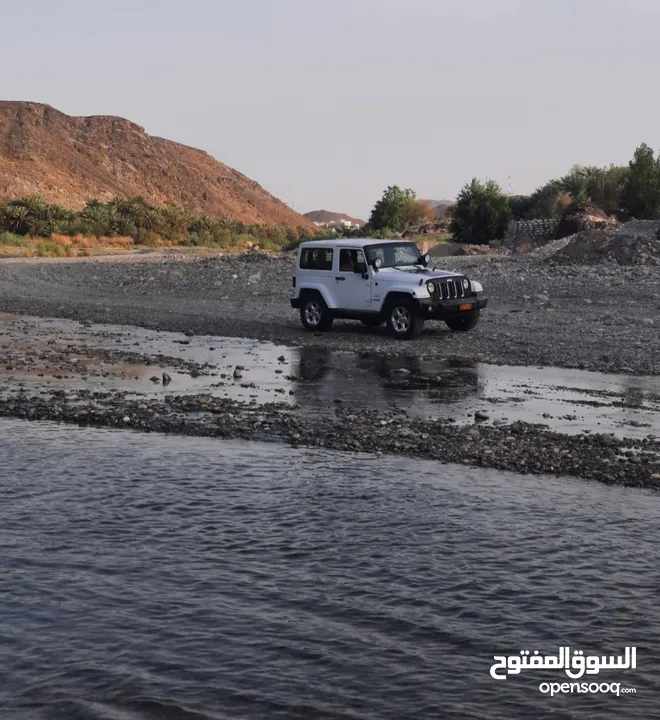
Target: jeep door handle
<point x="340" y="278"/>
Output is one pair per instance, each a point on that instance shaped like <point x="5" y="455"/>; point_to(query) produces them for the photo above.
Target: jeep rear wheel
<point x="315" y="315"/>
<point x="403" y="319"/>
<point x="464" y="323"/>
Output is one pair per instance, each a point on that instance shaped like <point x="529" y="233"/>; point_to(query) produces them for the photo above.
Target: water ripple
<point x="154" y="577"/>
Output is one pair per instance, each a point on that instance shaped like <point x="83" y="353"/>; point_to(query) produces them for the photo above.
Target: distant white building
<point x="342" y="225"/>
<point x="337" y="225"/>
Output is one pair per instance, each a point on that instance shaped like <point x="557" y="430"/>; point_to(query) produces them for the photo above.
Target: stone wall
<point x="542" y="229"/>
<point x="529" y="232"/>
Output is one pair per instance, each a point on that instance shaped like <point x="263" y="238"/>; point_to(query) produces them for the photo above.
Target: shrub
<point x="11" y="240"/>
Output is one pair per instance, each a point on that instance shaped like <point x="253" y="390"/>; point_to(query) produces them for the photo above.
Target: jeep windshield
<point x="393" y="254"/>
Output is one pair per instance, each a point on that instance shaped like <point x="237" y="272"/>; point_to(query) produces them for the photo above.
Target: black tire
<point x="373" y="322"/>
<point x="314" y="314"/>
<point x="464" y="323"/>
<point x="403" y="319"/>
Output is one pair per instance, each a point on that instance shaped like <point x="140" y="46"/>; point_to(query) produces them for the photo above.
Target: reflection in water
<point x="564" y="400"/>
<point x="405" y="382"/>
<point x="634" y="392"/>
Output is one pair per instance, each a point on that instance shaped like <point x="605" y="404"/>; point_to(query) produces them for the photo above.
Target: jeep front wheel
<point x="315" y="315"/>
<point x="403" y="319"/>
<point x="463" y="323"/>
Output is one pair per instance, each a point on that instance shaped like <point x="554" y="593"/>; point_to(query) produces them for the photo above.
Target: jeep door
<point x="353" y="292"/>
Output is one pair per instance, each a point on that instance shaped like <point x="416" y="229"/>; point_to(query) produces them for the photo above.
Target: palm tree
<point x="36" y="206"/>
<point x="16" y="218"/>
<point x="59" y="214"/>
<point x="39" y="227"/>
<point x="58" y="227"/>
<point x="95" y="215"/>
<point x="125" y="227"/>
<point x="576" y="185"/>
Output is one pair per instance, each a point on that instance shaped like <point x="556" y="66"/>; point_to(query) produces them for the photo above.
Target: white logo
<point x="575" y="667"/>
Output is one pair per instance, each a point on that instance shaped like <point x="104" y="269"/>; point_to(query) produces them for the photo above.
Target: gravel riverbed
<point x="598" y="317"/>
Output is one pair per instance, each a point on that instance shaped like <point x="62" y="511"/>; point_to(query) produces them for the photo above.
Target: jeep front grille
<point x="450" y="289"/>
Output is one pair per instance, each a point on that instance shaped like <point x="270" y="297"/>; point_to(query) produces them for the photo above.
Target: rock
<point x="577" y="219"/>
<point x="189" y="333"/>
<point x="237" y="374"/>
<point x="166" y="379"/>
<point x="155" y="379"/>
<point x="481" y="417"/>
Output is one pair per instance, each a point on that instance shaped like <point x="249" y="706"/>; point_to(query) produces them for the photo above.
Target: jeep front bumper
<point x="445" y="309"/>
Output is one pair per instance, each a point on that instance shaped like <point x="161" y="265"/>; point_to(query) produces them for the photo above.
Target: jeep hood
<point x="413" y="273"/>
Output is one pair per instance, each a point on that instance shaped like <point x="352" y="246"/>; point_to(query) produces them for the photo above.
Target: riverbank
<point x="520" y="447"/>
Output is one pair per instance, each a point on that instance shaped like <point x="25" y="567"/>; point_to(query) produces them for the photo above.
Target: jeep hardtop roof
<point x="348" y="242"/>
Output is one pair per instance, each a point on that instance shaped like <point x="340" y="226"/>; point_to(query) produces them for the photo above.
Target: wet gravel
<point x="598" y="317"/>
<point x="519" y="447"/>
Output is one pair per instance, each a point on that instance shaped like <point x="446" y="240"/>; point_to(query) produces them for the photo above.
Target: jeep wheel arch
<point x="314" y="312"/>
<point x="404" y="319"/>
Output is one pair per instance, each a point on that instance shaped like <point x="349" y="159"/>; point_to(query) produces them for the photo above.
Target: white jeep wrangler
<point x="379" y="281"/>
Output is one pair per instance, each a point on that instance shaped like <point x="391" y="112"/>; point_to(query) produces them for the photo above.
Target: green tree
<point x="481" y="213"/>
<point x="17" y="216"/>
<point x="546" y="200"/>
<point x="521" y="206"/>
<point x="605" y="187"/>
<point x="95" y="216"/>
<point x="640" y="196"/>
<point x="392" y="210"/>
<point x="576" y="184"/>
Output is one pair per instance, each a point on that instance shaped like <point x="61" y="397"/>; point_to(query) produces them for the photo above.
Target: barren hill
<point x="71" y="160"/>
<point x="325" y="216"/>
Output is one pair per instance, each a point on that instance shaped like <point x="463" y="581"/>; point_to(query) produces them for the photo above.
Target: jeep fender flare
<point x="393" y="295"/>
<point x="308" y="288"/>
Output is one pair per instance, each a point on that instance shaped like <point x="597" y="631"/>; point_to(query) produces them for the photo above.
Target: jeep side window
<point x="348" y="259"/>
<point x="316" y="259"/>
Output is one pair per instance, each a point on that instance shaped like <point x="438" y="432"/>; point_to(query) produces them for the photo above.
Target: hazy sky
<point x="327" y="102"/>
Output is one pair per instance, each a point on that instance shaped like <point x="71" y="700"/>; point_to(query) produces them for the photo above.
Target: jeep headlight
<point x="466" y="284"/>
<point x="430" y="287"/>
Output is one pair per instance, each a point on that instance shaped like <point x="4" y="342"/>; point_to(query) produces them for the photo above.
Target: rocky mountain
<point x="441" y="205"/>
<point x="71" y="160"/>
<point x="325" y="216"/>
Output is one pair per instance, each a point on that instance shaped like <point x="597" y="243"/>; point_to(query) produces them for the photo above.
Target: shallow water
<point x="164" y="577"/>
<point x="570" y="401"/>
